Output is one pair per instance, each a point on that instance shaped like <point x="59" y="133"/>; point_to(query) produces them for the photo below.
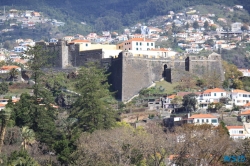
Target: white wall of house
<point x="213" y="121"/>
<point x="240" y="98"/>
<point x="237" y="133"/>
<point x="138" y="45"/>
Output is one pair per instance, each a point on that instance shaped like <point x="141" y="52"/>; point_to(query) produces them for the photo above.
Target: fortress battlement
<point x="131" y="71"/>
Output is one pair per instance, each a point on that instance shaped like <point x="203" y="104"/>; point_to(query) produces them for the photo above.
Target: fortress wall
<point x="115" y="78"/>
<point x="83" y="57"/>
<point x="139" y="73"/>
<point x="207" y="66"/>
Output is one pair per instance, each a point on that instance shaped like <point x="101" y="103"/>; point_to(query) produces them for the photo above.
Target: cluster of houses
<point x="236" y="97"/>
<point x="190" y="39"/>
<point x="25" y="19"/>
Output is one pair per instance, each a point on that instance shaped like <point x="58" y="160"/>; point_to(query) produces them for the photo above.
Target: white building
<point x="19" y="49"/>
<point x="238" y="6"/>
<point x="137" y="44"/>
<point x="203" y="119"/>
<point x="211" y="96"/>
<point x="240" y="97"/>
<point x="53" y="40"/>
<point x="236" y="26"/>
<point x="245" y="72"/>
<point x="236" y="132"/>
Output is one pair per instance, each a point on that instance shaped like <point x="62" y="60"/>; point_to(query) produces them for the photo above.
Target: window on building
<point x="239" y="95"/>
<point x="140" y="43"/>
<point x="86" y="45"/>
<point x="147" y="44"/>
<point x="152" y="44"/>
<point x="240" y="132"/>
<point x="214" y="120"/>
<point x="197" y="120"/>
<point x="221" y="94"/>
<point x="214" y="94"/>
<point x="207" y="120"/>
<point x="137" y="43"/>
<point x="128" y="48"/>
<point x="234" y="132"/>
<point x="244" y="95"/>
<point x="202" y="120"/>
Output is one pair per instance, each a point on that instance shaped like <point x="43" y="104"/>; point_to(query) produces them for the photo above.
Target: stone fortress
<point x="132" y="72"/>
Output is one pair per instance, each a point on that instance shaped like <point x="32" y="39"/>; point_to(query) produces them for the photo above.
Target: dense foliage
<point x="110" y="14"/>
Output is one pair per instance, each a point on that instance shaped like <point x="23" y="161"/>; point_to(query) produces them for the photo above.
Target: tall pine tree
<point x="91" y="108"/>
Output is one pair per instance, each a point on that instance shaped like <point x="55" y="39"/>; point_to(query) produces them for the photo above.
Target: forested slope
<point x="111" y="14"/>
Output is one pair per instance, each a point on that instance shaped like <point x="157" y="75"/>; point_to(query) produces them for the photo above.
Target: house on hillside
<point x="6" y="69"/>
<point x="236" y="26"/>
<point x="238" y="6"/>
<point x="240" y="97"/>
<point x="200" y="119"/>
<point x="137" y="44"/>
<point x="236" y="132"/>
<point x="245" y="72"/>
<point x="211" y="96"/>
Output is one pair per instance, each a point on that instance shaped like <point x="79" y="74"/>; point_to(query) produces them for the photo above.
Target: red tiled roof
<point x="2" y="105"/>
<point x="214" y="90"/>
<point x="80" y="41"/>
<point x="9" y="67"/>
<point x="245" y="112"/>
<point x="234" y="127"/>
<point x="139" y="39"/>
<point x="239" y="91"/>
<point x="202" y="116"/>
<point x="171" y="97"/>
<point x="247" y="105"/>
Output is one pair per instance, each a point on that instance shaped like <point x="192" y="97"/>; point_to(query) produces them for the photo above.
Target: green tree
<point x="237" y="84"/>
<point x="28" y="136"/>
<point x="37" y="116"/>
<point x="189" y="102"/>
<point x="138" y="31"/>
<point x="56" y="82"/>
<point x="4" y="88"/>
<point x="206" y="25"/>
<point x="21" y="158"/>
<point x="5" y="117"/>
<point x="91" y="110"/>
<point x="13" y="73"/>
<point x="213" y="28"/>
<point x="195" y="25"/>
<point x="39" y="58"/>
<point x="245" y="28"/>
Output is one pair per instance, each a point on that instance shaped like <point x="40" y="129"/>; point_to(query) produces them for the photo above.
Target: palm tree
<point x="5" y="117"/>
<point x="14" y="73"/>
<point x="28" y="136"/>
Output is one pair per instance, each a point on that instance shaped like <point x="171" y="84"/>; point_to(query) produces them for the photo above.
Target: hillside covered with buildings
<point x="133" y="83"/>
